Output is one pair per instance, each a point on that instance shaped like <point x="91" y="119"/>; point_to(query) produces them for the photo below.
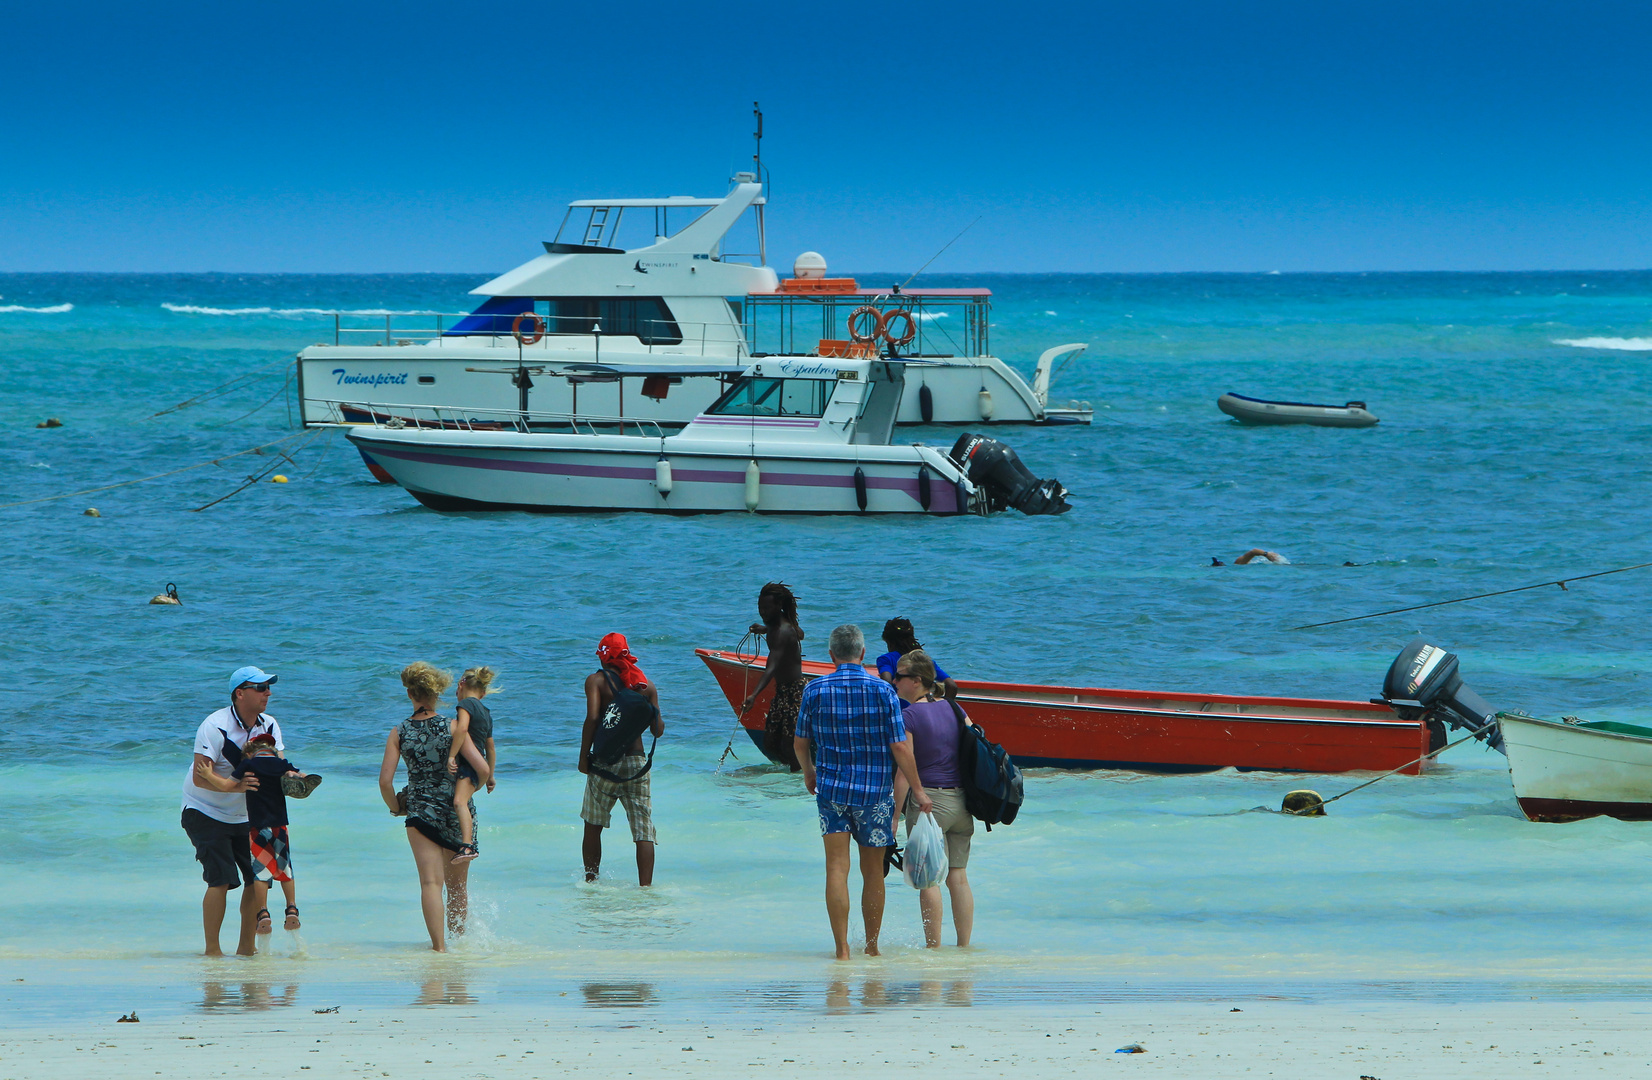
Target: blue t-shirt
<point x="887" y="662"/>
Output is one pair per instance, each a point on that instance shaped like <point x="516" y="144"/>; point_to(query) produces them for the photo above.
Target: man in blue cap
<point x="215" y="804"/>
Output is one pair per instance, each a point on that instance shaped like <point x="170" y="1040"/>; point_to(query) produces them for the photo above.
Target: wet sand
<point x="565" y="1037"/>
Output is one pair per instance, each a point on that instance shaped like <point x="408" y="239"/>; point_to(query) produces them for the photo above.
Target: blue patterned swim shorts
<point x="872" y="826"/>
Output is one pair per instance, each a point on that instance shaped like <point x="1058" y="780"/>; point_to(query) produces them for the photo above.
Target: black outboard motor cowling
<point x="1423" y="684"/>
<point x="995" y="469"/>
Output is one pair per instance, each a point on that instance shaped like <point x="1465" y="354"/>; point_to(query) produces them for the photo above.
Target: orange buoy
<point x="533" y="319"/>
<point x="859" y="316"/>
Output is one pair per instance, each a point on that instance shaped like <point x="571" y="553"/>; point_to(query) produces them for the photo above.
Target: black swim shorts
<point x="223" y="849"/>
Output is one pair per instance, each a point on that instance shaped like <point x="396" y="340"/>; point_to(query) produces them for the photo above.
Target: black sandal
<point x="292" y="917"/>
<point x="465" y="853"/>
<point x="264" y="925"/>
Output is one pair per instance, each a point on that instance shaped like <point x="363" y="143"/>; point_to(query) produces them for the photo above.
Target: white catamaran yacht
<point x="659" y="332"/>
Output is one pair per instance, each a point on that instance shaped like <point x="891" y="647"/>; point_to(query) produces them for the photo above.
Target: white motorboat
<point x="1562" y="770"/>
<point x="791" y="435"/>
<point x="1567" y="770"/>
<point x="658" y="331"/>
<point x="1249" y="410"/>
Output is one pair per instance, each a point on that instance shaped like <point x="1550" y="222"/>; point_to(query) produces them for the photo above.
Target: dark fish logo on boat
<point x="640" y="268"/>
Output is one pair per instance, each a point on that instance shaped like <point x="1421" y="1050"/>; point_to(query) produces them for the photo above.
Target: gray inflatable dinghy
<point x="1249" y="410"/>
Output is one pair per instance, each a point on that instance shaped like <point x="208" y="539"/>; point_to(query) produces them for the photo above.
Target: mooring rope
<point x="1308" y="811"/>
<point x="158" y="476"/>
<point x="740" y="713"/>
<point x="222" y="388"/>
<point x="1477" y="596"/>
<point x="251" y="480"/>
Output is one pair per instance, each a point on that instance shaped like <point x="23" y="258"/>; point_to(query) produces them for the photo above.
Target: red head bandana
<point x="614" y="652"/>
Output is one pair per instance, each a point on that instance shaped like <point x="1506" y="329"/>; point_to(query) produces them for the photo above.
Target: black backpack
<point x="992" y="784"/>
<point x="625" y="718"/>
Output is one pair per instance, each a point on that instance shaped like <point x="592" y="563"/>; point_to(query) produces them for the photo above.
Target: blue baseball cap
<point x="249" y="674"/>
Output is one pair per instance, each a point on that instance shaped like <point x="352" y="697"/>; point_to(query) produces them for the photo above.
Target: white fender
<point x="754" y="480"/>
<point x="662" y="476"/>
<point x="1046" y="361"/>
<point x="985" y="400"/>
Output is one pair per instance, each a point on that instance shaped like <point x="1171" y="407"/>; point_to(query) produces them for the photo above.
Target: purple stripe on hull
<point x="1577" y="809"/>
<point x="943" y="495"/>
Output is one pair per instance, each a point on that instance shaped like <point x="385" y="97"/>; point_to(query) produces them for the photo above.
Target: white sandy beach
<point x="561" y="1038"/>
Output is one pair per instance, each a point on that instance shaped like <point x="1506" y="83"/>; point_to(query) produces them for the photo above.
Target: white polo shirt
<point x="217" y="729"/>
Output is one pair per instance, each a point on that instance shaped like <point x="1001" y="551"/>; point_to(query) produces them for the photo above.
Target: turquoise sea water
<point x="1505" y="457"/>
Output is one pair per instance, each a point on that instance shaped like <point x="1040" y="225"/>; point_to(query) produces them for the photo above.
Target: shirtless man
<point x="601" y="792"/>
<point x="777" y="607"/>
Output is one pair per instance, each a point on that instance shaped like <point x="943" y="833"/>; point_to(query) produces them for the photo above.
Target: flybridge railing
<point x="397" y="416"/>
<point x="675" y="335"/>
<point x="944" y="326"/>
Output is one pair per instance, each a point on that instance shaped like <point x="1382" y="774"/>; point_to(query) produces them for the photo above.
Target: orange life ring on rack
<point x="534" y="335"/>
<point x="911" y="327"/>
<point x="877" y="323"/>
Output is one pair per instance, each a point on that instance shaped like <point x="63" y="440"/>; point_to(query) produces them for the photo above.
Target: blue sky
<point x="1087" y="137"/>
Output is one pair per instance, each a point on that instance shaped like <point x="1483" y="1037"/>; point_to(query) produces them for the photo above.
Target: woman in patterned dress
<point x="423" y="741"/>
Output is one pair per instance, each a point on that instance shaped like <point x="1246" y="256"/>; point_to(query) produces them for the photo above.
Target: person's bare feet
<point x="214" y="951"/>
<point x="872" y="950"/>
<point x="843" y="953"/>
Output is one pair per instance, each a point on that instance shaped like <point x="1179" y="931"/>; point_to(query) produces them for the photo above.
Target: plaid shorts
<point x="271" y="856"/>
<point x="601" y="794"/>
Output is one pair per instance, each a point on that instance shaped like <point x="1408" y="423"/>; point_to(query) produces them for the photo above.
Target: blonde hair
<point x="478" y="679"/>
<point x="425" y="681"/>
<point x="918" y="663"/>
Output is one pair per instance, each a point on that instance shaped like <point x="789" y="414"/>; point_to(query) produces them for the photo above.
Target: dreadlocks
<point x="781" y="593"/>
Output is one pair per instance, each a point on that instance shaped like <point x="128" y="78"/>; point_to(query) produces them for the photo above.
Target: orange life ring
<point x="877" y="323"/>
<point x="911" y="326"/>
<point x="537" y="332"/>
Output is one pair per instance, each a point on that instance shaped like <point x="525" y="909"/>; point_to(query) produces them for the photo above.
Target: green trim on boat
<point x="1621" y="729"/>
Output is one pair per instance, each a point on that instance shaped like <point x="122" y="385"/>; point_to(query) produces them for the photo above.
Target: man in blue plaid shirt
<point x="850" y="739"/>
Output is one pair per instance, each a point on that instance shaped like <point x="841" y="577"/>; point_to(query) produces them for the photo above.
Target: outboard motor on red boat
<point x="1423" y="684"/>
<point x="995" y="469"/>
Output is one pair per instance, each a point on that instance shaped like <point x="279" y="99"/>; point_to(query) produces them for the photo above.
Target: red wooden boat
<point x="1083" y="728"/>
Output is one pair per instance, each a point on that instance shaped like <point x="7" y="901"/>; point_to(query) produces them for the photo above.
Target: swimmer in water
<point x="1251" y="556"/>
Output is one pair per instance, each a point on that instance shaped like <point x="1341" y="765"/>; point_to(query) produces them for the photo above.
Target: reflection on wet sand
<point x="619" y="995"/>
<point x="880" y="993"/>
<point x="444" y="992"/>
<point x="248" y="995"/>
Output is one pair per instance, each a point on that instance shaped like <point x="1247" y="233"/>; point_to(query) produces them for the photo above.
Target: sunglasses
<point x="258" y="687"/>
<point x="906" y="675"/>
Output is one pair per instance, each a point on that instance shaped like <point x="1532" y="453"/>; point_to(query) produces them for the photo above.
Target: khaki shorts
<point x="953" y="819"/>
<point x="601" y="794"/>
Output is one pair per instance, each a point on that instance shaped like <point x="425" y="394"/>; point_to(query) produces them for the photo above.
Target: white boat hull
<point x="435" y="374"/>
<point x="1563" y="772"/>
<point x="462" y="470"/>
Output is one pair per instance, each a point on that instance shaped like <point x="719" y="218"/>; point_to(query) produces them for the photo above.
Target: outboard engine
<point x="1423" y="684"/>
<point x="996" y="470"/>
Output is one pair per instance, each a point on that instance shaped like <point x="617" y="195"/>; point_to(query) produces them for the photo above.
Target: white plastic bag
<point x="924" y="860"/>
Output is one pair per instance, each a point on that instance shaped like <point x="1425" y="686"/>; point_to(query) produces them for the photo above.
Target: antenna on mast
<point x="757" y="168"/>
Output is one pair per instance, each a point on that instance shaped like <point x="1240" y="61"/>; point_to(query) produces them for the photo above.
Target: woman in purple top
<point x="932" y="728"/>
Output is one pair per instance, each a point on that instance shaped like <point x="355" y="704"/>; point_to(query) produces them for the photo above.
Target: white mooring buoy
<point x="662" y="476"/>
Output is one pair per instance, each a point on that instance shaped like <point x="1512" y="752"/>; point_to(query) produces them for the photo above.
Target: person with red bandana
<point x="619" y="668"/>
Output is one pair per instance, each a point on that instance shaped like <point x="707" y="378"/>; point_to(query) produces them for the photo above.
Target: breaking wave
<point x="55" y="309"/>
<point x="1626" y="344"/>
<point x="931" y="316"/>
<point x="194" y="309"/>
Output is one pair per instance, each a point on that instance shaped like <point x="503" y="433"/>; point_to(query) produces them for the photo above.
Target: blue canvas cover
<point x="494" y="316"/>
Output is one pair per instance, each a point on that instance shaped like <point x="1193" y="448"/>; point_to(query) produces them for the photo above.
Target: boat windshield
<point x="757" y="396"/>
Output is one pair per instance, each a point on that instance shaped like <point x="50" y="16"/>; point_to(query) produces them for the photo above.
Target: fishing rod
<point x="938" y="254"/>
<point x="1477" y="596"/>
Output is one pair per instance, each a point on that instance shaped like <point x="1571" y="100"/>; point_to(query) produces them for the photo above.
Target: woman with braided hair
<point x="777" y="607"/>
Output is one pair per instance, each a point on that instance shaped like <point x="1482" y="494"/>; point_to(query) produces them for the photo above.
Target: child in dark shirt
<point x="471" y="757"/>
<point x="267" y="822"/>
